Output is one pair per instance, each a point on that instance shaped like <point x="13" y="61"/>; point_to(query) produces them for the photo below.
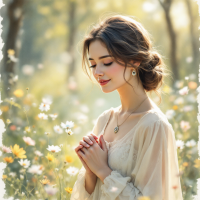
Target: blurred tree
<point x="74" y="21"/>
<point x="166" y="5"/>
<point x="15" y="17"/>
<point x="193" y="36"/>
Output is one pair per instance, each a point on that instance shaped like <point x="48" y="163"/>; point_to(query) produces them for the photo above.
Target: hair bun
<point x="155" y="60"/>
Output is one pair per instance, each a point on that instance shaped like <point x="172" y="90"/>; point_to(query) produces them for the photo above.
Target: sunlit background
<point x="44" y="90"/>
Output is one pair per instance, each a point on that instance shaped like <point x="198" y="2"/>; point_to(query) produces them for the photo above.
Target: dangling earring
<point x="133" y="72"/>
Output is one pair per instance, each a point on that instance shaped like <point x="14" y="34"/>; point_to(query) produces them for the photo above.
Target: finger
<point x="81" y="152"/>
<point x="84" y="144"/>
<point x="92" y="138"/>
<point x="78" y="147"/>
<point x="95" y="137"/>
<point x="89" y="139"/>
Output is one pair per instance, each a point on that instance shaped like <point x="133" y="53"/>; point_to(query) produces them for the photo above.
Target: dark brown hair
<point x="127" y="40"/>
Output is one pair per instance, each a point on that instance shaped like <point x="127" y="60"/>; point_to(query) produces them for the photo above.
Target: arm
<point x="155" y="170"/>
<point x="84" y="187"/>
<point x="90" y="182"/>
<point x="79" y="190"/>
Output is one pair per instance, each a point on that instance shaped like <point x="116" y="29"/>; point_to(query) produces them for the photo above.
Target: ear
<point x="136" y="63"/>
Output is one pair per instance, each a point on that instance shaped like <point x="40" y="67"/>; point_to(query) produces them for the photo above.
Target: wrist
<point x="104" y="173"/>
<point x="90" y="174"/>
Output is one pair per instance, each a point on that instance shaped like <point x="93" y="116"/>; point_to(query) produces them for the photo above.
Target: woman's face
<point x="106" y="68"/>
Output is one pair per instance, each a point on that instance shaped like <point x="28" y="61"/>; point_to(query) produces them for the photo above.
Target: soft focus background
<point x="48" y="104"/>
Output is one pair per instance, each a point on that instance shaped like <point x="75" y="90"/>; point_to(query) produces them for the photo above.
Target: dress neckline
<point x="116" y="141"/>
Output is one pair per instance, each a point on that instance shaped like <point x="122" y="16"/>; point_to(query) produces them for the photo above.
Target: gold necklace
<point x="116" y="129"/>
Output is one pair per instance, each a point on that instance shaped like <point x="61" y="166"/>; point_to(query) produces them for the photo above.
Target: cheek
<point x="115" y="70"/>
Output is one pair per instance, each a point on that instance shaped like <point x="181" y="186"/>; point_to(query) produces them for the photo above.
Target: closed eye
<point x="93" y="66"/>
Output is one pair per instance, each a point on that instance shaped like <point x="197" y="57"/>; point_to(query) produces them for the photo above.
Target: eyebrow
<point x="101" y="57"/>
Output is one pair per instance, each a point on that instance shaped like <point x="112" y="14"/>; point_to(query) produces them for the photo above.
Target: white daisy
<point x="184" y="91"/>
<point x="190" y="143"/>
<point x="44" y="107"/>
<point x="13" y="174"/>
<point x="68" y="124"/>
<point x="29" y="141"/>
<point x="6" y="149"/>
<point x="185" y="125"/>
<point x="24" y="163"/>
<point x="43" y="116"/>
<point x="47" y="133"/>
<point x="53" y="149"/>
<point x="38" y="153"/>
<point x="58" y="129"/>
<point x="50" y="190"/>
<point x="72" y="171"/>
<point x="69" y="131"/>
<point x="21" y="177"/>
<point x="47" y="101"/>
<point x="188" y="108"/>
<point x="35" y="169"/>
<point x="53" y="116"/>
<point x="170" y="114"/>
<point x="179" y="144"/>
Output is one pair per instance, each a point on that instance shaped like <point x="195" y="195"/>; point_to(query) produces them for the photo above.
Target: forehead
<point x="97" y="49"/>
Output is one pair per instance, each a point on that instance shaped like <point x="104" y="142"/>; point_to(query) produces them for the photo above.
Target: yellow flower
<point x="50" y="157"/>
<point x="4" y="177"/>
<point x="69" y="159"/>
<point x="166" y="89"/>
<point x="18" y="152"/>
<point x="18" y="93"/>
<point x="175" y="107"/>
<point x="45" y="181"/>
<point x="144" y="198"/>
<point x="8" y="121"/>
<point x="11" y="52"/>
<point x="185" y="164"/>
<point x="4" y="108"/>
<point x="197" y="163"/>
<point x="68" y="189"/>
<point x="8" y="159"/>
<point x="27" y="129"/>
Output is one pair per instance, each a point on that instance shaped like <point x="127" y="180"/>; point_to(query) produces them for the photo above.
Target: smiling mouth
<point x="104" y="82"/>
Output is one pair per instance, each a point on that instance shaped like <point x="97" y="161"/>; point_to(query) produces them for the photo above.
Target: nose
<point x="97" y="71"/>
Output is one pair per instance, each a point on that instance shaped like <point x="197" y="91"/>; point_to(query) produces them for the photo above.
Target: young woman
<point x="136" y="153"/>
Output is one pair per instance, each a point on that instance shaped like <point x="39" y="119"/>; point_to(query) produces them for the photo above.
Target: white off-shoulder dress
<point x="144" y="162"/>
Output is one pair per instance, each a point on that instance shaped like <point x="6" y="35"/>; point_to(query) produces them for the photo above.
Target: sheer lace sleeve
<point x="155" y="171"/>
<point x="79" y="192"/>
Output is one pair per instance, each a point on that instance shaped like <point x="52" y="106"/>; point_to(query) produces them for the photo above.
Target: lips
<point x="102" y="81"/>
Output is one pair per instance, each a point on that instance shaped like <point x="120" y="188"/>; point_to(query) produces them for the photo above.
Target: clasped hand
<point x="94" y="157"/>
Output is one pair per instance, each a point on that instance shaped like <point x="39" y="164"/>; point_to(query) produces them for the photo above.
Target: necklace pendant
<point x="116" y="129"/>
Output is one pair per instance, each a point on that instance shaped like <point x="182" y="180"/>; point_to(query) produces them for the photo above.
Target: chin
<point x="107" y="90"/>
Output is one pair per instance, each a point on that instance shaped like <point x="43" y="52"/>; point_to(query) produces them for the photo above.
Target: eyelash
<point x="93" y="66"/>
